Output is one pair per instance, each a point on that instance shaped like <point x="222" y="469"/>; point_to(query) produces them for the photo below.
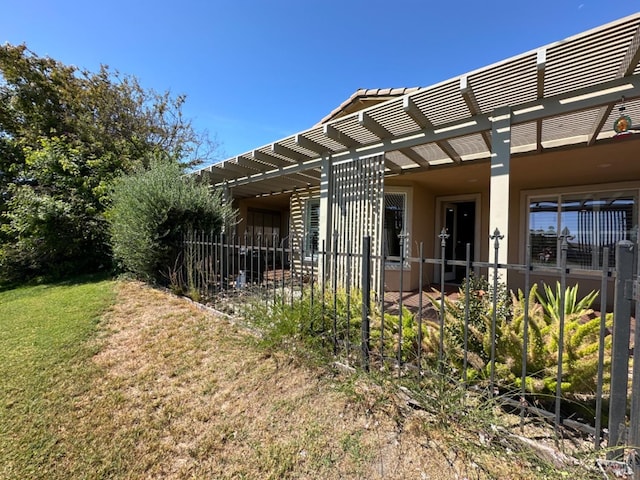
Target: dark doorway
<point x="460" y="222"/>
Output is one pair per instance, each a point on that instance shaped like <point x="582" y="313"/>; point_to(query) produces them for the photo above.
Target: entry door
<point x="459" y="218"/>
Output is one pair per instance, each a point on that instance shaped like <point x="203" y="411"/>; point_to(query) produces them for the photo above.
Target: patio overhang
<point x="561" y="95"/>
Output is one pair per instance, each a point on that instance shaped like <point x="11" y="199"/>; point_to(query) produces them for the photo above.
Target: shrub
<point x="152" y="209"/>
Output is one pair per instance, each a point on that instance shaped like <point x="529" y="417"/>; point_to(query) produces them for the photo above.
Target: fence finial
<point x="497" y="237"/>
<point x="443" y="237"/>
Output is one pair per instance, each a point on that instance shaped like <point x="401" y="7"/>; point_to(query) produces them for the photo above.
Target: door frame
<point x="440" y="222"/>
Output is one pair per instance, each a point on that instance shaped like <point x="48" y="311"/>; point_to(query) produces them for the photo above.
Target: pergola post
<point x="325" y="236"/>
<point x="499" y="183"/>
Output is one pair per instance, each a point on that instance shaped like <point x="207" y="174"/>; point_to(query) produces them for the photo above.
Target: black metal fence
<point x="525" y="347"/>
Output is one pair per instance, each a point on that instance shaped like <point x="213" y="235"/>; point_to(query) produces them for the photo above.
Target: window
<point x="395" y="224"/>
<point x="311" y="228"/>
<point x="593" y="221"/>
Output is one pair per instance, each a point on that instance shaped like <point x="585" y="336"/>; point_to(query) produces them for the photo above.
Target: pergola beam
<point x="313" y="174"/>
<point x="249" y="163"/>
<point x="365" y="120"/>
<point x="414" y="157"/>
<point x="411" y="109"/>
<point x="449" y="150"/>
<point x="627" y="67"/>
<point x="299" y="179"/>
<point x="309" y="144"/>
<point x="472" y="104"/>
<point x="236" y="167"/>
<point x="253" y="189"/>
<point x="392" y="166"/>
<point x="221" y="174"/>
<point x="269" y="159"/>
<point x="337" y="136"/>
<point x="279" y="172"/>
<point x="289" y="153"/>
<point x="575" y="101"/>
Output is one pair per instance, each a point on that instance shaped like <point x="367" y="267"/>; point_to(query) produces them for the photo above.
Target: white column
<point x="499" y="186"/>
<point x="326" y="195"/>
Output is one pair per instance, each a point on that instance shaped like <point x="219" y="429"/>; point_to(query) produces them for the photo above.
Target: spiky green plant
<point x="581" y="338"/>
<point x="573" y="305"/>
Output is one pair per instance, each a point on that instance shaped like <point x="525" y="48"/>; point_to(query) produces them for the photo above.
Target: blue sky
<point x="257" y="71"/>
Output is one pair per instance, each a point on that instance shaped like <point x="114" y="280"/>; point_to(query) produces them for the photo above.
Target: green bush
<point x="152" y="209"/>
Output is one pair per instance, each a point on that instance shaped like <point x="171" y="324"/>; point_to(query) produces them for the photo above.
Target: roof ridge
<point x="361" y="93"/>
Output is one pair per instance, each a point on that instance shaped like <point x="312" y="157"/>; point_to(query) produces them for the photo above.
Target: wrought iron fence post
<point x="366" y="301"/>
<point x="525" y="335"/>
<point x="274" y="276"/>
<point x="603" y="331"/>
<point x="443" y="243"/>
<point x="634" y="434"/>
<point x="250" y="255"/>
<point x="348" y="292"/>
<point x="303" y="242"/>
<point x="224" y="258"/>
<point x="283" y="261"/>
<point x="311" y="281"/>
<point x="233" y="257"/>
<point x="620" y="345"/>
<point x="302" y="273"/>
<point x="564" y="246"/>
<point x="335" y="293"/>
<point x="402" y="237"/>
<point x="259" y="264"/>
<point x="247" y="258"/>
<point x="467" y="281"/>
<point x="420" y="275"/>
<point x="496" y="237"/>
<point x="216" y="266"/>
<point x="323" y="287"/>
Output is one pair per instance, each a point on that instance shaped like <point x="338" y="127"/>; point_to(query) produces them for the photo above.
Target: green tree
<point x="152" y="209"/>
<point x="65" y="134"/>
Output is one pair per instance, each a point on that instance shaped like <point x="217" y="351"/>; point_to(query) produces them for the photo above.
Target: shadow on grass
<point x="70" y="281"/>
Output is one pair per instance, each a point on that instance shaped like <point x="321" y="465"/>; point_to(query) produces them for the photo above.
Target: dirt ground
<point x="184" y="393"/>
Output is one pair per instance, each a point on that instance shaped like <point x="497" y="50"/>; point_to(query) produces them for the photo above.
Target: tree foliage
<point x="65" y="134"/>
<point x="152" y="209"/>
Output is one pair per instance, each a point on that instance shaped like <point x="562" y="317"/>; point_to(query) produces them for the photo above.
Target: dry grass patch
<point x="176" y="393"/>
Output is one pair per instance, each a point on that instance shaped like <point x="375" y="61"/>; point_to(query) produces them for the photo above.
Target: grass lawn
<point x="103" y="379"/>
<point x="44" y="333"/>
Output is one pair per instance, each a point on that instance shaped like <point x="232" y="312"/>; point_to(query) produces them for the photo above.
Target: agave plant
<point x="581" y="339"/>
<point x="573" y="305"/>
